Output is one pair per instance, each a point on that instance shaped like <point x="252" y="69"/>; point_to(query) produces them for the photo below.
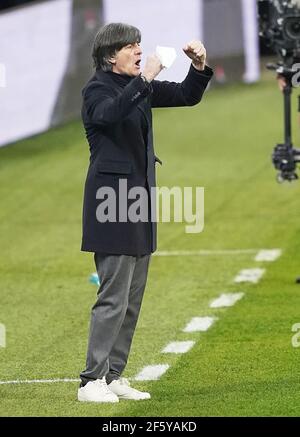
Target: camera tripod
<point x="285" y="157"/>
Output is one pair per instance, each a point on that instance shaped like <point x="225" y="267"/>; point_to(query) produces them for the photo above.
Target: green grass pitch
<point x="245" y="364"/>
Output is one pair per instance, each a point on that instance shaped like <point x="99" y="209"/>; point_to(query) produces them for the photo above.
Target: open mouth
<point x="138" y="63"/>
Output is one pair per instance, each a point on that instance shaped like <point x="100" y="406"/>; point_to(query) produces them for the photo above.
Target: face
<point x="127" y="60"/>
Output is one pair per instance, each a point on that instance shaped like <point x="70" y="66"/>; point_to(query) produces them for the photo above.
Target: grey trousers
<point x="115" y="314"/>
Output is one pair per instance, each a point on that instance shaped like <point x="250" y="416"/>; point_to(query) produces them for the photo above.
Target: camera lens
<point x="292" y="27"/>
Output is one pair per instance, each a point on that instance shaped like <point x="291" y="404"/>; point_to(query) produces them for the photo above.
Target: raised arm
<point x="187" y="93"/>
<point x="190" y="91"/>
<point x="103" y="107"/>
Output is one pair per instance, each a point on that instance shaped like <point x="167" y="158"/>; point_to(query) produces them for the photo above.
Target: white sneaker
<point x="96" y="391"/>
<point x="121" y="388"/>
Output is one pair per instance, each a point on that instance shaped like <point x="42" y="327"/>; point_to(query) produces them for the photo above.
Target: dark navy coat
<point x="117" y="118"/>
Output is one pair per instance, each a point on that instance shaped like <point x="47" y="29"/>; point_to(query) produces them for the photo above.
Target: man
<point x="117" y="118"/>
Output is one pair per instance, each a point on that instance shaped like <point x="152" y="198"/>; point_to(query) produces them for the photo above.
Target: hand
<point x="196" y="51"/>
<point x="281" y="82"/>
<point x="152" y="68"/>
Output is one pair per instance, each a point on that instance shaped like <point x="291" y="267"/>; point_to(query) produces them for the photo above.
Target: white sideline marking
<point x="178" y="347"/>
<point x="151" y="373"/>
<point x="199" y="324"/>
<point x="226" y="300"/>
<point x="2" y="335"/>
<point x="38" y="381"/>
<point x="249" y="275"/>
<point x="268" y="255"/>
<point x="204" y="252"/>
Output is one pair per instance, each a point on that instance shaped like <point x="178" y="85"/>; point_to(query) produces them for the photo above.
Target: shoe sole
<point x="83" y="399"/>
<point x="133" y="399"/>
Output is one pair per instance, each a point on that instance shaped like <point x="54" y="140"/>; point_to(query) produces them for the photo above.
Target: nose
<point x="138" y="49"/>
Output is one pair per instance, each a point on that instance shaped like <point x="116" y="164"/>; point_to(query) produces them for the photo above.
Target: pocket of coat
<point x="114" y="167"/>
<point x="156" y="159"/>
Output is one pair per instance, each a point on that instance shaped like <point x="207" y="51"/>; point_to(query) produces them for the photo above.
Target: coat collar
<point x="109" y="76"/>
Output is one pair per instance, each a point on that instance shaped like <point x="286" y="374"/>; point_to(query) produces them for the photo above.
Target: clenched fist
<point x="152" y="68"/>
<point x="196" y="51"/>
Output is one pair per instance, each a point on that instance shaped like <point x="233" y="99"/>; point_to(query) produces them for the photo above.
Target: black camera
<point x="279" y="25"/>
<point x="285" y="159"/>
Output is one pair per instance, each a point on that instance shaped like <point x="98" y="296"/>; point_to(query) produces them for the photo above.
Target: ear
<point x="112" y="60"/>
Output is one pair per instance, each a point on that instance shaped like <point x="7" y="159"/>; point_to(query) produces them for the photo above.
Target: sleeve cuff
<point x="143" y="86"/>
<point x="208" y="72"/>
<point x="136" y="90"/>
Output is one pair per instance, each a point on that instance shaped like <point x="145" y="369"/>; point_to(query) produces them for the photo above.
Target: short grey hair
<point x="110" y="39"/>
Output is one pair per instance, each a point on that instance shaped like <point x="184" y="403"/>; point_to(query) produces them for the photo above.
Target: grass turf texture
<point x="245" y="364"/>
